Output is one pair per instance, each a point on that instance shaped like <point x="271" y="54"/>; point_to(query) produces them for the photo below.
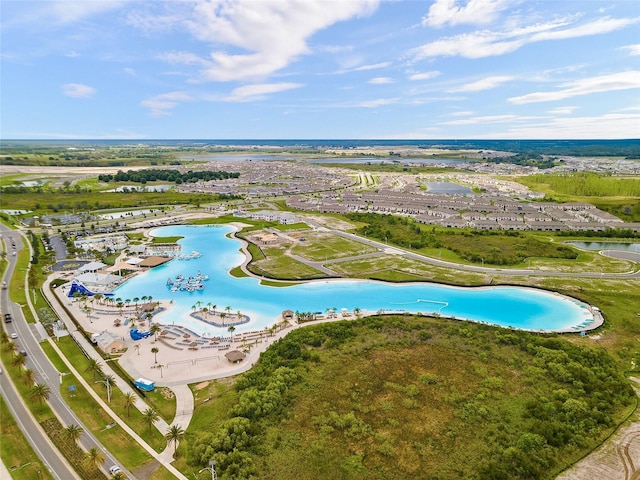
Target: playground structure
<point x="138" y="335"/>
<point x="82" y="290"/>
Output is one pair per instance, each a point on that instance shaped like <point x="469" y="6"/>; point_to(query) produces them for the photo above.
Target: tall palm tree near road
<point x="18" y="360"/>
<point x="150" y="416"/>
<point x="129" y="401"/>
<point x="174" y="434"/>
<point x="73" y="432"/>
<point x="28" y="376"/>
<point x="94" y="367"/>
<point x="94" y="458"/>
<point x="155" y="351"/>
<point x="40" y="393"/>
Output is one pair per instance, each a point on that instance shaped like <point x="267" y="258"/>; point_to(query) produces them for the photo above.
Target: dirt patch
<point x="329" y="222"/>
<point x="146" y="470"/>
<point x="201" y="385"/>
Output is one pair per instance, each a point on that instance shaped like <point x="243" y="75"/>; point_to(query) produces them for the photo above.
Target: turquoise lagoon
<point x="516" y="307"/>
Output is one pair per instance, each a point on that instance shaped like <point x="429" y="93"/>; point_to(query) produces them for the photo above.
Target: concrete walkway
<point x="183" y="396"/>
<point x="162" y="457"/>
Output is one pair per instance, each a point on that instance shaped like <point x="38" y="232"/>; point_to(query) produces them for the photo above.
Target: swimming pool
<point x="517" y="307"/>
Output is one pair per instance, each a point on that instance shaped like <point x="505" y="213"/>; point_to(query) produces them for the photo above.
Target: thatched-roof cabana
<point x="235" y="356"/>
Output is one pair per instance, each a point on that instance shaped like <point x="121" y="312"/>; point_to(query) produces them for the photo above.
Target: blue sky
<point x="320" y="69"/>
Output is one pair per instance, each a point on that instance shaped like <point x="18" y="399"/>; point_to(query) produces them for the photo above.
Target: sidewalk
<point x="184" y="398"/>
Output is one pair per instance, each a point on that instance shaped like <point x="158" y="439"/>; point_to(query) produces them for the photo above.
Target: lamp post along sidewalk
<point x="211" y="468"/>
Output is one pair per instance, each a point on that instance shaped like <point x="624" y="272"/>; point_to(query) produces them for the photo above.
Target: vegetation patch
<point x="477" y="246"/>
<point x="319" y="246"/>
<point x="409" y="397"/>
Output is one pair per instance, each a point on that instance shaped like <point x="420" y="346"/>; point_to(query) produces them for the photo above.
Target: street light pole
<point x="107" y="383"/>
<point x="210" y="468"/>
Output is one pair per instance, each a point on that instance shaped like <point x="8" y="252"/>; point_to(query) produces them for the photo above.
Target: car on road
<point x="114" y="469"/>
<point x="22" y="352"/>
<point x="7" y="318"/>
<point x="14" y="335"/>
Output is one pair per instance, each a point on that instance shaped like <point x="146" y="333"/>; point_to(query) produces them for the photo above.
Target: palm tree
<point x="150" y="416"/>
<point x="174" y="434"/>
<point x="119" y="476"/>
<point x="4" y="337"/>
<point x="222" y="316"/>
<point x="99" y="297"/>
<point x="155" y="351"/>
<point x="40" y="393"/>
<point x="136" y="300"/>
<point x="94" y="367"/>
<point x="94" y="458"/>
<point x="129" y="401"/>
<point x="29" y="376"/>
<point x="209" y="304"/>
<point x="213" y="308"/>
<point x="18" y="360"/>
<point x="10" y="346"/>
<point x="357" y="311"/>
<point x="137" y="347"/>
<point x="73" y="432"/>
<point x="231" y="329"/>
<point x="228" y="309"/>
<point x="155" y="328"/>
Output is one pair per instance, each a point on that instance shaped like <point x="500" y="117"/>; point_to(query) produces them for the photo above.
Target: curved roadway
<point x="45" y="373"/>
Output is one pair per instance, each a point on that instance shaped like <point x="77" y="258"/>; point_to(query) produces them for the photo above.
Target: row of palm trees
<point x="110" y="301"/>
<point x="210" y="308"/>
<point x="94" y="459"/>
<point x="39" y="391"/>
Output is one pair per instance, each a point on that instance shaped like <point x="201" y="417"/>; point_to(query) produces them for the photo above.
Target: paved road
<point x="28" y="339"/>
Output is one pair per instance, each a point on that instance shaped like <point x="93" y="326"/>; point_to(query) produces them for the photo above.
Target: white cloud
<point x="78" y="90"/>
<point x="488" y="119"/>
<point x="69" y="12"/>
<point x="161" y="105"/>
<point x="374" y="66"/>
<point x="585" y="86"/>
<point x="477" y="12"/>
<point x="380" y="81"/>
<point x="424" y="75"/>
<point x="485" y="43"/>
<point x="259" y="90"/>
<point x="485" y="84"/>
<point x="561" y="111"/>
<point x="461" y="114"/>
<point x="633" y="50"/>
<point x="182" y="58"/>
<point x="130" y="71"/>
<point x="609" y="126"/>
<point x="376" y="103"/>
<point x="265" y="36"/>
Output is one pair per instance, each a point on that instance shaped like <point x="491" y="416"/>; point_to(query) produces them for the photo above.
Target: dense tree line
<point x="526" y="159"/>
<point x="173" y="176"/>
<point x="567" y="396"/>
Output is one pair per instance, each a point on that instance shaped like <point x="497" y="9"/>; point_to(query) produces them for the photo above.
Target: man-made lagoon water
<point x="449" y="188"/>
<point x="517" y="307"/>
<point x="624" y="247"/>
